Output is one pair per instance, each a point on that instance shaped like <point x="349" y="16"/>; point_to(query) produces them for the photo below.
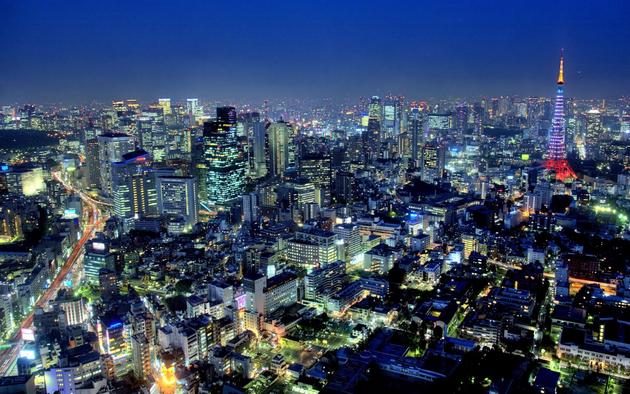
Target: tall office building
<point x="93" y="178"/>
<point x="177" y="196"/>
<point x="97" y="257"/>
<point x="278" y="134"/>
<point x="133" y="184"/>
<point x="461" y="117"/>
<point x="316" y="167"/>
<point x="432" y="162"/>
<point x="250" y="207"/>
<point x="391" y="113"/>
<point x="594" y="133"/>
<point x="372" y="136"/>
<point x="345" y="186"/>
<point x="416" y="129"/>
<point x="193" y="108"/>
<point x="224" y="164"/>
<point x="111" y="148"/>
<point x="260" y="148"/>
<point x="165" y="104"/>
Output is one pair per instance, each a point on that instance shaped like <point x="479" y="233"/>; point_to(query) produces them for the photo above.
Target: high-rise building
<point x="165" y="104"/>
<point x="260" y="148"/>
<point x="93" y="178"/>
<point x="311" y="248"/>
<point x="278" y="134"/>
<point x="141" y="356"/>
<point x="316" y="167"/>
<point x="461" y="117"/>
<point x="10" y="225"/>
<point x="177" y="195"/>
<point x="133" y="185"/>
<point x="111" y="148"/>
<point x="97" y="257"/>
<point x="416" y="129"/>
<point x="112" y="337"/>
<point x="350" y="235"/>
<point x="193" y="108"/>
<point x="556" y="150"/>
<point x="344" y="186"/>
<point x="432" y="162"/>
<point x="372" y="136"/>
<point x="470" y="244"/>
<point x="250" y="207"/>
<point x="594" y="133"/>
<point x="224" y="164"/>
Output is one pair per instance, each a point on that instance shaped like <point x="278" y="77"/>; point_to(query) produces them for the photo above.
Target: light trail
<point x="9" y="355"/>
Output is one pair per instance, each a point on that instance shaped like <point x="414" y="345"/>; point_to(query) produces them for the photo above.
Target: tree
<point x="183" y="286"/>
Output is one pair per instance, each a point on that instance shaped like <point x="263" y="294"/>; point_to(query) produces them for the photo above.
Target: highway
<point x="94" y="220"/>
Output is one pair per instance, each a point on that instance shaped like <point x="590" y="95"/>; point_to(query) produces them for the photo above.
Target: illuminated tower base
<point x="561" y="167"/>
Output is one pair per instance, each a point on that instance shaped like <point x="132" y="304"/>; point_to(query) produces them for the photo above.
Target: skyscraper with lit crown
<point x="556" y="150"/>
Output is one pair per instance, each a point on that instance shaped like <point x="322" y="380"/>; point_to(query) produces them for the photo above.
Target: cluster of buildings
<point x="247" y="250"/>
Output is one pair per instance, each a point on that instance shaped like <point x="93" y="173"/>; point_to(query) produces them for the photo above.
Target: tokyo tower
<point x="556" y="149"/>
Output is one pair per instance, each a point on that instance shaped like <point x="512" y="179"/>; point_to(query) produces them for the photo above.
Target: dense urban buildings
<point x="386" y="243"/>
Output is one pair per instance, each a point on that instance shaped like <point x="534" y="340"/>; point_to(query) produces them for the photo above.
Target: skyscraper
<point x="556" y="150"/>
<point x="594" y="133"/>
<point x="133" y="184"/>
<point x="250" y="207"/>
<point x="278" y="148"/>
<point x="165" y="104"/>
<point x="416" y="129"/>
<point x="260" y="147"/>
<point x="193" y="108"/>
<point x="372" y="136"/>
<point x="224" y="161"/>
<point x="93" y="178"/>
<point x="316" y="167"/>
<point x="461" y="117"/>
<point x="177" y="195"/>
<point x="432" y="162"/>
<point x="111" y="148"/>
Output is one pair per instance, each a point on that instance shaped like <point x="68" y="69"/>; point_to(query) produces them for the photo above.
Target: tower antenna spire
<point x="561" y="72"/>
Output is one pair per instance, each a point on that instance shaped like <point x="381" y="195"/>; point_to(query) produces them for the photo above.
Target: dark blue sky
<point x="83" y="50"/>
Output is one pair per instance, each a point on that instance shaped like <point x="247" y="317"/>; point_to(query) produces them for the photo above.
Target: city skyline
<point x="76" y="52"/>
<point x="312" y="197"/>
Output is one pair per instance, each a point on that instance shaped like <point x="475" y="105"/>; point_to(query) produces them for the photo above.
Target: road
<point x="8" y="356"/>
<point x="608" y="288"/>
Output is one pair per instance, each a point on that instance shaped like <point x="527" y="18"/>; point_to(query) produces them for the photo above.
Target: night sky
<point x="78" y="51"/>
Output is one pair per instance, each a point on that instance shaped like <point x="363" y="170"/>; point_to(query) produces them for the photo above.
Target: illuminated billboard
<point x="28" y="334"/>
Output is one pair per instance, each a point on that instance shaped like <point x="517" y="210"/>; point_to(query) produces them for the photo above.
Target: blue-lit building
<point x="133" y="183"/>
<point x="223" y="161"/>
